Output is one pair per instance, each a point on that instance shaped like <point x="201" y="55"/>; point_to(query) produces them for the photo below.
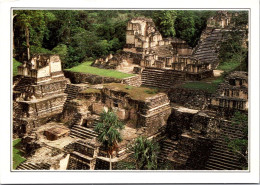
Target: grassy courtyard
<point x="17" y="155"/>
<point x="86" y="67"/>
<point x="209" y="85"/>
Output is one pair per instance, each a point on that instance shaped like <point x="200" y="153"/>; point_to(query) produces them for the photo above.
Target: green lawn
<point x="86" y="67"/>
<point x="209" y="86"/>
<point x="17" y="158"/>
<point x="15" y="65"/>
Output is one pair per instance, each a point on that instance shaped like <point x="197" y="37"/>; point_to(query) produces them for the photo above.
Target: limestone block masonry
<point x="233" y="94"/>
<point x="41" y="85"/>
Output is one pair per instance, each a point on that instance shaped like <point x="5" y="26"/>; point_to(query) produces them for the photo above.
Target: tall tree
<point x="185" y="26"/>
<point x="145" y="153"/>
<point x="164" y="20"/>
<point x="234" y="47"/>
<point x="108" y="129"/>
<point x="34" y="25"/>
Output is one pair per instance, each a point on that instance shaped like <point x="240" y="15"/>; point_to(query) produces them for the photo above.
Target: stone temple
<point x="55" y="112"/>
<point x="38" y="92"/>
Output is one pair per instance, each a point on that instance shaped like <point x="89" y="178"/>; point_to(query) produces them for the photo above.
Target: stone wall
<point x="233" y="93"/>
<point x="189" y="98"/>
<point x="77" y="78"/>
<point x="45" y="106"/>
<point x="161" y="78"/>
<point x="133" y="81"/>
<point x="150" y="113"/>
<point x="44" y="90"/>
<point x="77" y="162"/>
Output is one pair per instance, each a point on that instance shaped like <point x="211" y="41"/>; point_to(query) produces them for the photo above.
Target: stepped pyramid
<point x="206" y="50"/>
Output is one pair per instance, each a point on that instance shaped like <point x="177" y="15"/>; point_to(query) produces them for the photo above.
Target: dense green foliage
<point x="240" y="145"/>
<point x="234" y="50"/>
<point x="190" y="24"/>
<point x="17" y="155"/>
<point x="86" y="67"/>
<point x="125" y="165"/>
<point x="15" y="65"/>
<point x="108" y="128"/>
<point x="79" y="35"/>
<point x="165" y="20"/>
<point x="145" y="153"/>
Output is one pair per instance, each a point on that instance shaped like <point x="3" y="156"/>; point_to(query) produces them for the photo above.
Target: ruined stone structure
<point x="56" y="119"/>
<point x="221" y="20"/>
<point x="233" y="94"/>
<point x="142" y="33"/>
<point x="147" y="52"/>
<point x="38" y="92"/>
<point x="145" y="116"/>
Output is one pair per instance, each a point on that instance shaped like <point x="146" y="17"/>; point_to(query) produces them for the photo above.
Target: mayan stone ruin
<point x="56" y="111"/>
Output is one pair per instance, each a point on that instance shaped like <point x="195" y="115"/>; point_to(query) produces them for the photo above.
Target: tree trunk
<point x="110" y="162"/>
<point x="27" y="42"/>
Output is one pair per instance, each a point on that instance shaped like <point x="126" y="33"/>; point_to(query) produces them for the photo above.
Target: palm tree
<point x="108" y="128"/>
<point x="145" y="153"/>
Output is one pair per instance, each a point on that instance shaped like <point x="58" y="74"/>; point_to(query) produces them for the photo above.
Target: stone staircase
<point x="221" y="158"/>
<point x="206" y="51"/>
<point x="133" y="81"/>
<point x="82" y="132"/>
<point x="72" y="91"/>
<point x="167" y="146"/>
<point x="33" y="166"/>
<point x="161" y="78"/>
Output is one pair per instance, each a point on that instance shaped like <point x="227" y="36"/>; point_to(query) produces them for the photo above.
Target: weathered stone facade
<point x="145" y="47"/>
<point x="233" y="94"/>
<point x="41" y="87"/>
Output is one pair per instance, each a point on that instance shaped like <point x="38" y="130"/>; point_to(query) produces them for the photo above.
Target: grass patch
<point x="136" y="93"/>
<point x="91" y="91"/>
<point x="151" y="91"/>
<point x="15" y="65"/>
<point x="129" y="87"/>
<point x="228" y="66"/>
<point x="17" y="155"/>
<point x="86" y="67"/>
<point x="209" y="86"/>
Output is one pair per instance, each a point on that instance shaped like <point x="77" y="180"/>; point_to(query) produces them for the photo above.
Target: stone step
<point x="225" y="164"/>
<point x="81" y="134"/>
<point x="224" y="153"/>
<point x="231" y="127"/>
<point x="36" y="166"/>
<point x="224" y="158"/>
<point x="213" y="167"/>
<point x="84" y="128"/>
<point x="232" y="134"/>
<point x="221" y="150"/>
